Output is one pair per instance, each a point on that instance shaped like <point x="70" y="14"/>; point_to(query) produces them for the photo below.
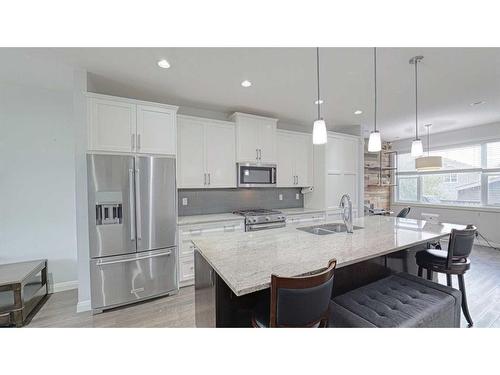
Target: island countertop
<point x="245" y="261"/>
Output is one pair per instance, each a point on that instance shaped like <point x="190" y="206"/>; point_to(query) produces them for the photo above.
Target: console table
<point x="23" y="287"/>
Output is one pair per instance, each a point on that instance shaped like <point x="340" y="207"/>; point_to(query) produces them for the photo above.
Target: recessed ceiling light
<point x="164" y="64"/>
<point x="477" y="103"/>
<point x="246" y="83"/>
<point x="358" y="112"/>
<point x="318" y="101"/>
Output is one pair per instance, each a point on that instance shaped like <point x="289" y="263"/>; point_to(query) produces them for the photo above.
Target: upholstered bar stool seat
<point x="400" y="300"/>
<point x="454" y="261"/>
<point x="436" y="259"/>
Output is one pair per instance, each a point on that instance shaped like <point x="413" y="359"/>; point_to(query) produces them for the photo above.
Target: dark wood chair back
<point x="302" y="301"/>
<point x="404" y="212"/>
<point x="460" y="245"/>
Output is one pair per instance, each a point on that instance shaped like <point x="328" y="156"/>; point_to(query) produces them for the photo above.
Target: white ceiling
<point x="284" y="82"/>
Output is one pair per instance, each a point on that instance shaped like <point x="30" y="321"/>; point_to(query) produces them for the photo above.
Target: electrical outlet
<point x="184" y="201"/>
<point x="280" y="197"/>
<point x="297" y="196"/>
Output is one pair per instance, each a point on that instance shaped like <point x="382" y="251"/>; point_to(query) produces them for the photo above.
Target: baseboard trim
<point x="61" y="287"/>
<point x="83" y="306"/>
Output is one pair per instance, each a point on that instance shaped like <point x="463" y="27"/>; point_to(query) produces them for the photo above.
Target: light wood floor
<point x="482" y="282"/>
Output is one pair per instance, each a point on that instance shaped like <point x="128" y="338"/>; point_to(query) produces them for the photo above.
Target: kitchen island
<point x="233" y="270"/>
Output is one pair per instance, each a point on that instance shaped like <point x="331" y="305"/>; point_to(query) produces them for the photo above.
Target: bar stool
<point x="455" y="261"/>
<point x="297" y="301"/>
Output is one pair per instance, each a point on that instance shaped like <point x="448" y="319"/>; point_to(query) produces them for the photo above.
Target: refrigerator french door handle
<point x="131" y="203"/>
<point x="138" y="203"/>
<point x="101" y="263"/>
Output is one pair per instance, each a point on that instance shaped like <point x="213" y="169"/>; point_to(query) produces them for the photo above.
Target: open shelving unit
<point x="380" y="176"/>
<point x="383" y="165"/>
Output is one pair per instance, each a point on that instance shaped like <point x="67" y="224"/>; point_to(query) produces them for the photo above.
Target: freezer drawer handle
<point x="100" y="263"/>
<point x="138" y="203"/>
<point x="131" y="202"/>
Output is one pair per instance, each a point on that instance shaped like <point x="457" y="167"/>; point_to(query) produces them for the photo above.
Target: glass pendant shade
<point x="428" y="163"/>
<point x="319" y="132"/>
<point x="417" y="149"/>
<point x="374" y="143"/>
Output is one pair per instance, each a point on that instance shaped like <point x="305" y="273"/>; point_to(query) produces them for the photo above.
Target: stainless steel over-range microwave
<point x="256" y="175"/>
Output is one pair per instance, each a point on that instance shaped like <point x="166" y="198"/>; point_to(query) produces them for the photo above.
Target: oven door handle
<point x="273" y="177"/>
<point x="255" y="227"/>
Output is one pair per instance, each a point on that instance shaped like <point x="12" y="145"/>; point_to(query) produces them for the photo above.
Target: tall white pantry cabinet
<point x="337" y="171"/>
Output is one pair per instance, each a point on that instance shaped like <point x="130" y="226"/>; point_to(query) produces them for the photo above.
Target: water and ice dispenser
<point x="108" y="208"/>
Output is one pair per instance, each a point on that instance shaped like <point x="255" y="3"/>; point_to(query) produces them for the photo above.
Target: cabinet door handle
<point x="209" y="178"/>
<point x="132" y="141"/>
<point x="257" y="153"/>
<point x="260" y="154"/>
<point x="138" y="141"/>
<point x="204" y="178"/>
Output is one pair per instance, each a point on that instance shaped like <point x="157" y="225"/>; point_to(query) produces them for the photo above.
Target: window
<point x="450" y="178"/>
<point x="407" y="189"/>
<point x="493" y="155"/>
<point x="494" y="190"/>
<point x="470" y="177"/>
<point x="466" y="190"/>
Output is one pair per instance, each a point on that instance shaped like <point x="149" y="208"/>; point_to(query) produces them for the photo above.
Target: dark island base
<point x="217" y="306"/>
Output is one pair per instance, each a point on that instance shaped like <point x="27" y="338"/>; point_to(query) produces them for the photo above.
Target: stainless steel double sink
<point x="325" y="229"/>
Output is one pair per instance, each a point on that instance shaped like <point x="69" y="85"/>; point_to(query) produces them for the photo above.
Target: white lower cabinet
<point x="332" y="215"/>
<point x="188" y="233"/>
<point x="306" y="218"/>
<point x="186" y="271"/>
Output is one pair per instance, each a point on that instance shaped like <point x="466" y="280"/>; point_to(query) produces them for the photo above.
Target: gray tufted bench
<point x="400" y="300"/>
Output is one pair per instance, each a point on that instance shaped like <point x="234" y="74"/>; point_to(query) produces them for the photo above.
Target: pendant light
<point x="319" y="127"/>
<point x="416" y="146"/>
<point x="428" y="163"/>
<point x="374" y="143"/>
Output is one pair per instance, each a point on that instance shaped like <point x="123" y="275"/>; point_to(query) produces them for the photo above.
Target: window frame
<point x="482" y="170"/>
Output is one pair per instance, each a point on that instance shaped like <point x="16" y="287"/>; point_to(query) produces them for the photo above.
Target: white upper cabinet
<point x="127" y="125"/>
<point x="220" y="154"/>
<point x="111" y="125"/>
<point x="206" y="153"/>
<point x="255" y="138"/>
<point x="190" y="153"/>
<point x="286" y="160"/>
<point x="295" y="159"/>
<point x="156" y="130"/>
<point x="304" y="159"/>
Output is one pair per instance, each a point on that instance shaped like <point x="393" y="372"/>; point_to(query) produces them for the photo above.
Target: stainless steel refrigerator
<point x="132" y="228"/>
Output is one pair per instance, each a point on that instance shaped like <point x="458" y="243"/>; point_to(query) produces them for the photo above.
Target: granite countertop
<point x="245" y="261"/>
<point x="213" y="218"/>
<point x="300" y="211"/>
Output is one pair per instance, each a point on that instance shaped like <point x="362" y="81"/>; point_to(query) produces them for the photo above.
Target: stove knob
<point x="268" y="218"/>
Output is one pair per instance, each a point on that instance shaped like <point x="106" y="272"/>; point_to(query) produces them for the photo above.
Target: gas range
<point x="259" y="219"/>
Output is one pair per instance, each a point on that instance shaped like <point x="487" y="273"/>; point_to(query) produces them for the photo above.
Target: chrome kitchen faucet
<point x="347" y="212"/>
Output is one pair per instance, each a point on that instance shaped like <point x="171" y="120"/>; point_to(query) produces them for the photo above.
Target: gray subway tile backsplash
<point x="216" y="201"/>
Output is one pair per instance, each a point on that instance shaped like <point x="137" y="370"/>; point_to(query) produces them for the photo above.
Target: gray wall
<point x="214" y="201"/>
<point x="37" y="189"/>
